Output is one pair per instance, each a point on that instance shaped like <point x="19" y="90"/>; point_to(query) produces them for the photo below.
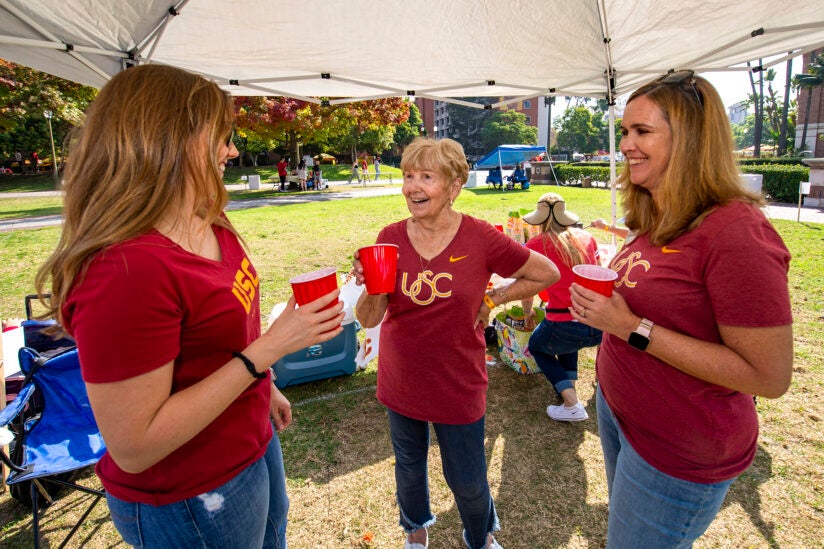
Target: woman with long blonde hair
<point x="699" y="322"/>
<point x="152" y="281"/>
<point x="555" y="342"/>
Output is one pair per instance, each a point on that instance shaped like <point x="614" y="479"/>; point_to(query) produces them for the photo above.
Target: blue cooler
<point x="332" y="358"/>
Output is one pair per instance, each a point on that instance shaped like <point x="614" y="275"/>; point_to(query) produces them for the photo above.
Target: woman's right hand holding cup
<point x="299" y="327"/>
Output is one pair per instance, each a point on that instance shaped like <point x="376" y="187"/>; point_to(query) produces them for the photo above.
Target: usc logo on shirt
<point x="630" y="262"/>
<point x="245" y="285"/>
<point x="424" y="289"/>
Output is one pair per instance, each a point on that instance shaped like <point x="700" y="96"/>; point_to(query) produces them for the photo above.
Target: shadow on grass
<point x="56" y="520"/>
<point x="542" y="487"/>
<point x="33" y="212"/>
<point x="538" y="468"/>
<point x="744" y="492"/>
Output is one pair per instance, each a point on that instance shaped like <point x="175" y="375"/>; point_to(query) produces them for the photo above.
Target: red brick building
<point x="815" y="127"/>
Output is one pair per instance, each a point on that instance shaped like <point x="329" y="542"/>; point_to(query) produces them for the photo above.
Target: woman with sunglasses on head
<point x="699" y="322"/>
<point x="556" y="341"/>
<point x="151" y="279"/>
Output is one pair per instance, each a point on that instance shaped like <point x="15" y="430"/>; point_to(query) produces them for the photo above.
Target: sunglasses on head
<point x="678" y="78"/>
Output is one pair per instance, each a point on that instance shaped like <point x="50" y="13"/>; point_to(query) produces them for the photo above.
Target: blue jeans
<point x="247" y="512"/>
<point x="648" y="508"/>
<point x="464" y="466"/>
<point x="555" y="346"/>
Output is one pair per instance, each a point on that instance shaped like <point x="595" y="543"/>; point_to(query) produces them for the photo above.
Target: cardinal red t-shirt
<point x="559" y="297"/>
<point x="732" y="271"/>
<point x="146" y="302"/>
<point x="431" y="365"/>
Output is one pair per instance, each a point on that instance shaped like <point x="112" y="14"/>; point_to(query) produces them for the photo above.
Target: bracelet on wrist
<point x="250" y="365"/>
<point x="489" y="302"/>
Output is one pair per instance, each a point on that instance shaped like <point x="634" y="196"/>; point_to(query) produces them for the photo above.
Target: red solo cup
<point x="499" y="227"/>
<point x="380" y="263"/>
<point x="310" y="286"/>
<point x="595" y="277"/>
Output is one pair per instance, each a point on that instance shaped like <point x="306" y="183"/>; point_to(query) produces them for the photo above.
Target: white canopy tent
<point x="349" y="50"/>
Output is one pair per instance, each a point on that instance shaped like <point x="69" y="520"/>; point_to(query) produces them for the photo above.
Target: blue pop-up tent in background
<point x="511" y="155"/>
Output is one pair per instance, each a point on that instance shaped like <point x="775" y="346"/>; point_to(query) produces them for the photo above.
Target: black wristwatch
<point x="640" y="337"/>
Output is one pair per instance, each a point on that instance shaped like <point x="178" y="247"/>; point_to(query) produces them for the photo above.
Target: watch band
<point x="639" y="338"/>
<point x="644" y="327"/>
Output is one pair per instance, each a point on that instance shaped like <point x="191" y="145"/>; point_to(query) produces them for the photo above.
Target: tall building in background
<point x="737" y="112"/>
<point x="436" y="123"/>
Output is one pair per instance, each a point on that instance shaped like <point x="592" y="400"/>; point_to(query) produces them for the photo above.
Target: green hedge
<point x="780" y="182"/>
<point x="576" y="172"/>
<point x="771" y="161"/>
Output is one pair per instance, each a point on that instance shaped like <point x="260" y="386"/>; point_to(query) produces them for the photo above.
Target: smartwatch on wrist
<point x="640" y="337"/>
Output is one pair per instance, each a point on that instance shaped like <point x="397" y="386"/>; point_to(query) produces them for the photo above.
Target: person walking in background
<point x="283" y="171"/>
<point x="355" y="173"/>
<point x="699" y="322"/>
<point x="152" y="281"/>
<point x="317" y="177"/>
<point x="377" y="168"/>
<point x="445" y="262"/>
<point x="556" y="341"/>
<point x="364" y="169"/>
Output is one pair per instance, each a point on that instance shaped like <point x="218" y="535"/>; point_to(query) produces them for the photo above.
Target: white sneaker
<point x="494" y="545"/>
<point x="577" y="412"/>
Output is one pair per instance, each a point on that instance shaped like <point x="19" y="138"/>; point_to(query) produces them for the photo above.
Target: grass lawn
<point x="547" y="477"/>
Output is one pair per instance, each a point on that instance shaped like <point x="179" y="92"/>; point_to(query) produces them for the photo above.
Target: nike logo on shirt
<point x="454" y="259"/>
<point x="666" y="250"/>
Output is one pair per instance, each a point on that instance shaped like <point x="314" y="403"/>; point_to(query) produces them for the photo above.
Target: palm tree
<point x="813" y="78"/>
<point x="785" y="112"/>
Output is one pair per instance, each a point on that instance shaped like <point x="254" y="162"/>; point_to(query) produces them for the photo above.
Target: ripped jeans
<point x="247" y="512"/>
<point x="464" y="466"/>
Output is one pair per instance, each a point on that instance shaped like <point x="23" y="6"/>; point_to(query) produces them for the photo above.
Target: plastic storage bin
<point x="332" y="358"/>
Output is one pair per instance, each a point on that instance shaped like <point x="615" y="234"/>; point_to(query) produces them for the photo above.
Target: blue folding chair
<point x="518" y="177"/>
<point x="55" y="433"/>
<point x="494" y="178"/>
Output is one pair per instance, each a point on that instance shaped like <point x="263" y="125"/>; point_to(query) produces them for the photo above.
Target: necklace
<point x="439" y="246"/>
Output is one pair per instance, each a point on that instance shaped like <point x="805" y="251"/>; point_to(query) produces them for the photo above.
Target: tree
<point x="508" y="127"/>
<point x="344" y="127"/>
<point x="410" y="129"/>
<point x="785" y="111"/>
<point x="24" y="95"/>
<point x="577" y="132"/>
<point x="757" y="100"/>
<point x="813" y="78"/>
<point x="742" y="134"/>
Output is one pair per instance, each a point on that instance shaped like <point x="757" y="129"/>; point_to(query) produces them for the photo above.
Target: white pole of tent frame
<point x="501" y="170"/>
<point x="613" y="192"/>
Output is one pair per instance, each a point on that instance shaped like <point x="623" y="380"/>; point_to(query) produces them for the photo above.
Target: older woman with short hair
<point x="432" y="365"/>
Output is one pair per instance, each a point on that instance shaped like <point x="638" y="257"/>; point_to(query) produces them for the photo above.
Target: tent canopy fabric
<point x="426" y="48"/>
<point x="508" y="155"/>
